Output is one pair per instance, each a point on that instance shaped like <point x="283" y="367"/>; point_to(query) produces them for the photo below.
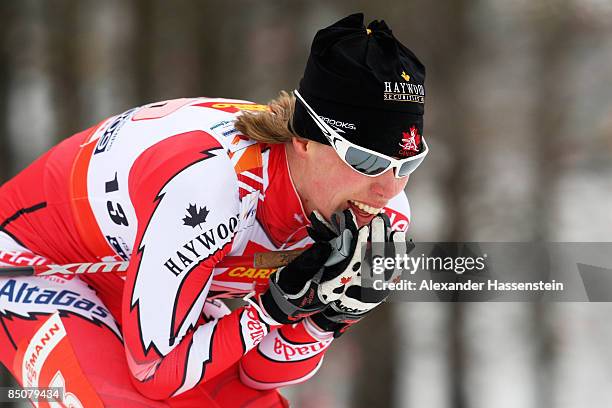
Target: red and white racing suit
<point x="174" y="188"/>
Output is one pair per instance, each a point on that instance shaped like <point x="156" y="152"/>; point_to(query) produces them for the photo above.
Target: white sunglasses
<point x="360" y="159"/>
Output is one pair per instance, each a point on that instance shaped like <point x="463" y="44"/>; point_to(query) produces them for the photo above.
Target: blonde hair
<point x="270" y="126"/>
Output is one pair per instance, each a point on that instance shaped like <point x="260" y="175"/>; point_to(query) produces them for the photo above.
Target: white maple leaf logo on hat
<point x="410" y="142"/>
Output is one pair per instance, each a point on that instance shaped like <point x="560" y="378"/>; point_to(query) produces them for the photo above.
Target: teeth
<point x="365" y="207"/>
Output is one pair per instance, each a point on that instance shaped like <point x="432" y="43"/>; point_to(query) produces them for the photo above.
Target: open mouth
<point x="368" y="210"/>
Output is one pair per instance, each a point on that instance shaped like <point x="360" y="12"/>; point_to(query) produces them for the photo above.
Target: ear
<point x="301" y="145"/>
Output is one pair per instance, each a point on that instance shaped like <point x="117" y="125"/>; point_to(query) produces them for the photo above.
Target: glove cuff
<point x="281" y="309"/>
<point x="256" y="302"/>
<point x="315" y="331"/>
<point x="270" y="307"/>
<point x="324" y="323"/>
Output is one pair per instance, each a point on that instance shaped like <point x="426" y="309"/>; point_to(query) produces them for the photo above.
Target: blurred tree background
<point x="519" y="121"/>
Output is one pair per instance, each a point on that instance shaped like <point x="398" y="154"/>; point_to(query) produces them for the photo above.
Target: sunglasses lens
<point x="410" y="166"/>
<point x="365" y="162"/>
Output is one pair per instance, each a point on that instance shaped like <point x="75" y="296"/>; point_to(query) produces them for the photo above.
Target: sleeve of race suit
<point x="186" y="202"/>
<point x="288" y="355"/>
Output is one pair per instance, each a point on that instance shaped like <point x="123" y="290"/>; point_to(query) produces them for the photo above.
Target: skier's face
<point x="331" y="185"/>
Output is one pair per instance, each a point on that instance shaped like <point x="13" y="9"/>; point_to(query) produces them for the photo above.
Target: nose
<point x="387" y="186"/>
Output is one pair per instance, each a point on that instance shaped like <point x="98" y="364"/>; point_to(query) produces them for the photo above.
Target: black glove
<point x="357" y="300"/>
<point x="318" y="276"/>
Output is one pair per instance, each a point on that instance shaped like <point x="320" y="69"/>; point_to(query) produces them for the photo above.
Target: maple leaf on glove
<point x="345" y="280"/>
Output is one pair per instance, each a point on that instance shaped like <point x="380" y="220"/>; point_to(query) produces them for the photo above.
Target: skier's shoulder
<point x="204" y="111"/>
<point x="177" y="145"/>
<point x="215" y="116"/>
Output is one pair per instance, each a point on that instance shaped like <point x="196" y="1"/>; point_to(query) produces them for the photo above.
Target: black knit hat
<point x="364" y="83"/>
